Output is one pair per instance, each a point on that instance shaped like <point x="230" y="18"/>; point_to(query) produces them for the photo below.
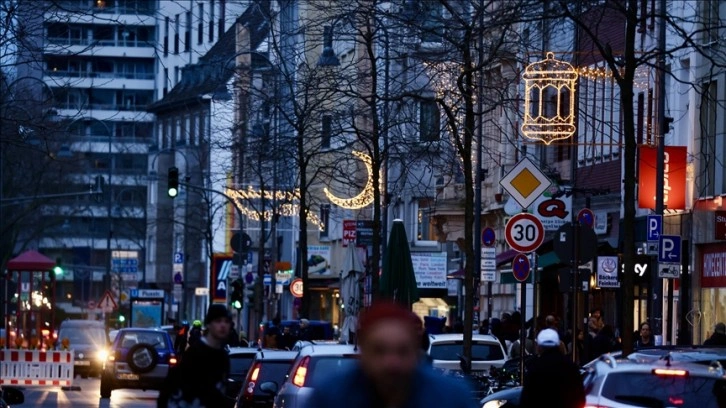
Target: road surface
<point x="89" y="396"/>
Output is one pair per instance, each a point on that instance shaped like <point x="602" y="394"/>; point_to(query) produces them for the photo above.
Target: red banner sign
<point x="674" y="177"/>
<point x="349" y="232"/>
<point x="720" y="225"/>
<point x="713" y="266"/>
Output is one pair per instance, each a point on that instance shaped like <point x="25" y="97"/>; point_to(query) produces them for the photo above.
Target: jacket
<point x="202" y="375"/>
<point x="553" y="378"/>
<point x="716" y="339"/>
<point x="428" y="390"/>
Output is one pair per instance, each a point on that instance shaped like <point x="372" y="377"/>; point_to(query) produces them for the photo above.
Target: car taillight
<point x="301" y="372"/>
<point x="252" y="377"/>
<point x="670" y="372"/>
<point x="172" y="360"/>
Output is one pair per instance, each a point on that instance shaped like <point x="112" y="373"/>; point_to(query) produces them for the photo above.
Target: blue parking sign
<point x="655" y="227"/>
<point x="669" y="249"/>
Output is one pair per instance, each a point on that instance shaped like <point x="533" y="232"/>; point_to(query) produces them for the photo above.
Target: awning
<point x="506" y="257"/>
<point x="547" y="260"/>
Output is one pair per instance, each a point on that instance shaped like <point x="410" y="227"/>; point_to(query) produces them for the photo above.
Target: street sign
<point x="488" y="271"/>
<point x="655" y="228"/>
<point x="669" y="249"/>
<point x="148" y="293"/>
<point x="177" y="292"/>
<point x="488" y="237"/>
<point x="349" y="232"/>
<point x="107" y="303"/>
<point x="178" y="278"/>
<point x="296" y="288"/>
<point x="283" y="278"/>
<point x="524" y="232"/>
<point x="720" y="225"/>
<point x="564" y="244"/>
<point x="201" y="291"/>
<point x="267" y="279"/>
<point x="240" y="241"/>
<point x="607" y="272"/>
<point x="586" y="217"/>
<point x="521" y="267"/>
<point x="669" y="270"/>
<point x="525" y="182"/>
<point x="234" y="272"/>
<point x="177" y="268"/>
<point x="178" y="257"/>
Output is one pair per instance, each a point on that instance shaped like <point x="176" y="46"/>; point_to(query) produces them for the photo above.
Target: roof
<point x="460" y="336"/>
<point x="141" y="329"/>
<point x="276" y="355"/>
<point x="216" y="67"/>
<point x="328" y="349"/>
<point x="242" y="350"/>
<point x="30" y="261"/>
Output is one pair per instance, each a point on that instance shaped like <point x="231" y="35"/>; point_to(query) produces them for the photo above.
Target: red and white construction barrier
<point x="35" y="367"/>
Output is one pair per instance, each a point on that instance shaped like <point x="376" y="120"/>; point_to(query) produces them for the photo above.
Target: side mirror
<point x="269" y="387"/>
<point x="12" y="396"/>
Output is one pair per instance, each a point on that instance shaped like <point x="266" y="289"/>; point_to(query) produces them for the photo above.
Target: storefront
<point x="712" y="265"/>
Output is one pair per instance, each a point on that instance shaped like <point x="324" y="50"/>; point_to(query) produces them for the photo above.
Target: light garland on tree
<point x="362" y="199"/>
<point x="285" y="209"/>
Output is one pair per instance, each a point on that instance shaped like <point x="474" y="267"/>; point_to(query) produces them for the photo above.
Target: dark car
<point x="240" y="359"/>
<point x="89" y="343"/>
<point x="11" y="396"/>
<point x="317" y="330"/>
<point x="267" y="373"/>
<point x="139" y="359"/>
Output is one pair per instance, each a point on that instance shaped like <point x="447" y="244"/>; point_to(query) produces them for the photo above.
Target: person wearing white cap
<point x="552" y="377"/>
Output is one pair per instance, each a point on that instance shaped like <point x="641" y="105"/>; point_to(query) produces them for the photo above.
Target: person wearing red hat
<point x="391" y="373"/>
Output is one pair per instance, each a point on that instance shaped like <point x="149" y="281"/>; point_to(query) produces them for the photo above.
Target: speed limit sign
<point x="524" y="232"/>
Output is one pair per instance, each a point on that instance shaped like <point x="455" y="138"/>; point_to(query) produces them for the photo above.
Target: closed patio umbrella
<point x="350" y="290"/>
<point x="398" y="280"/>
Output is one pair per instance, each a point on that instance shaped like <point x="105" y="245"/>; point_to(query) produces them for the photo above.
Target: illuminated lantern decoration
<point x="549" y="100"/>
<point x="362" y="199"/>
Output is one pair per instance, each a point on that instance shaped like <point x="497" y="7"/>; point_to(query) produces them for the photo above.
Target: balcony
<point x="89" y="42"/>
<point x="107" y="6"/>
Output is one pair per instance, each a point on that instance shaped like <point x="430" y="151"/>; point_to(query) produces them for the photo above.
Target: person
<point x="552" y="324"/>
<point x="304" y="333"/>
<point x="484" y="327"/>
<point x="718" y="338"/>
<point x="604" y="342"/>
<point x="195" y="334"/>
<point x="596" y="322"/>
<point x="201" y="376"/>
<point x="287" y="340"/>
<point x="389" y="372"/>
<point x="180" y="342"/>
<point x="233" y="340"/>
<point x="272" y="334"/>
<point x="552" y="377"/>
<point x="515" y="349"/>
<point x="645" y="338"/>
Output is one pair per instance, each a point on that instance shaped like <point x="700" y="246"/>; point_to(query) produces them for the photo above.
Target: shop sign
<point x="430" y="269"/>
<point x="720" y="226"/>
<point x="552" y="212"/>
<point x="319" y="262"/>
<point x="674" y="177"/>
<point x="607" y="272"/>
<point x="713" y="266"/>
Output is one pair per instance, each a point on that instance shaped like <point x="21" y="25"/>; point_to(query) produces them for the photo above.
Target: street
<point x="87" y="397"/>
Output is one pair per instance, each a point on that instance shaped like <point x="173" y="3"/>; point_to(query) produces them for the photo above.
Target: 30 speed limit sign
<point x="524" y="232"/>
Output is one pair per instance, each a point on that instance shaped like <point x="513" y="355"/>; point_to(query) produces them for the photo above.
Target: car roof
<point x="275" y="355"/>
<point x="242" y="350"/>
<point x="608" y="365"/>
<point x="82" y="323"/>
<point x="141" y="330"/>
<point x="328" y="349"/>
<point x="441" y="338"/>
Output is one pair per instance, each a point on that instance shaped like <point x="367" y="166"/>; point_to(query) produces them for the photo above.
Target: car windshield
<point x="321" y="368"/>
<point x="84" y="336"/>
<point x="240" y="364"/>
<point x="650" y="390"/>
<point x="274" y="371"/>
<point x="130" y="339"/>
<point x="479" y="351"/>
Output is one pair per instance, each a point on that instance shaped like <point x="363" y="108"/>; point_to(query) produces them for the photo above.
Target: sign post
<point x="521" y="268"/>
<point x="669" y="257"/>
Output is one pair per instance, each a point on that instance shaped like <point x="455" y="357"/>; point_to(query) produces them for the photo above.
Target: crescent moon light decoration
<point x="365" y="197"/>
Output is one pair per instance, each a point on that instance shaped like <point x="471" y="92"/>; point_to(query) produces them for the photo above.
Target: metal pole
<point x="656" y="284"/>
<point x="478" y="174"/>
<point x="109" y="201"/>
<point x="575" y="284"/>
<point x="523" y="319"/>
<point x="386" y="113"/>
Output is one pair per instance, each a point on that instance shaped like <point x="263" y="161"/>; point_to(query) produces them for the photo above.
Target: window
<point x="176" y="75"/>
<point x="211" y="20"/>
<point x="200" y="24"/>
<point x="166" y="36"/>
<point x="222" y="12"/>
<point x="176" y="34"/>
<point x="202" y="130"/>
<point x="188" y="32"/>
<point x="709" y="159"/>
<point x="710" y="21"/>
<point x="432" y="26"/>
<point x="326" y="130"/>
<point x="647" y="389"/>
<point x="166" y="81"/>
<point x="423" y="220"/>
<point x="429" y="121"/>
<point x="481" y="351"/>
<point x="325" y="220"/>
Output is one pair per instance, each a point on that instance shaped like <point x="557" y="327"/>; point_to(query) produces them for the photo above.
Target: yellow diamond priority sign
<point x="525" y="183"/>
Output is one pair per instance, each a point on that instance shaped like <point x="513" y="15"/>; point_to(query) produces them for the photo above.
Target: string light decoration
<point x="362" y="199"/>
<point x="285" y="209"/>
<point x="549" y="81"/>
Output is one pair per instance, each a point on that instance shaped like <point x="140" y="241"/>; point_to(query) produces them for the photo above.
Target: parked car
<point x="240" y="359"/>
<point x="267" y="373"/>
<point x="313" y="365"/>
<point x="445" y="351"/>
<point x="317" y="330"/>
<point x="139" y="359"/>
<point x="11" y="396"/>
<point x="88" y="340"/>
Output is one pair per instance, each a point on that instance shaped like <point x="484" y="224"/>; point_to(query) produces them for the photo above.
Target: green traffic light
<point x="237" y="304"/>
<point x="58" y="270"/>
<point x="121" y="318"/>
<point x="173" y="192"/>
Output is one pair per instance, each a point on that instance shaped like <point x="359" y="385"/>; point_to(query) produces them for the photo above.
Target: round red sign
<point x="524" y="232"/>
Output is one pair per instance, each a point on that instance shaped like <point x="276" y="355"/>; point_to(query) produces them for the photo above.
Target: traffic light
<point x="173" y="182"/>
<point x="121" y="318"/>
<point x="237" y="296"/>
<point x="58" y="268"/>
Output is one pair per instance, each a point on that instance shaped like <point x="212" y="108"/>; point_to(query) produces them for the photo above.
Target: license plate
<point x="127" y="376"/>
<point x="82" y="363"/>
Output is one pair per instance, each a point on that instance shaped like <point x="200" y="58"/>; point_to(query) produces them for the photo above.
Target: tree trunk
<point x="302" y="245"/>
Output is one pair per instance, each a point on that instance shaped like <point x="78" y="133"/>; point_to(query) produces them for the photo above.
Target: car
<point x="11" y="396"/>
<point x="692" y="354"/>
<point x="630" y="383"/>
<point x="313" y="365"/>
<point x="89" y="342"/>
<point x="267" y="373"/>
<point x="317" y="329"/>
<point x="139" y="359"/>
<point x="240" y="359"/>
<point x="445" y="351"/>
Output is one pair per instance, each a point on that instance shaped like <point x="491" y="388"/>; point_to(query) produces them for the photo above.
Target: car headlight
<point x="494" y="404"/>
<point x="102" y="355"/>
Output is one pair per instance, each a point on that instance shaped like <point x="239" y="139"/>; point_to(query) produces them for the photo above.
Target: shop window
<point x="429" y="121"/>
<point x="325" y="219"/>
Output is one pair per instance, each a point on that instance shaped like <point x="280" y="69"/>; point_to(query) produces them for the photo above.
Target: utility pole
<point x="478" y="175"/>
<point x="656" y="284"/>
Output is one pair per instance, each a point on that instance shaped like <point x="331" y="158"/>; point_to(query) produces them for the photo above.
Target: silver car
<point x="445" y="349"/>
<point x="313" y="365"/>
